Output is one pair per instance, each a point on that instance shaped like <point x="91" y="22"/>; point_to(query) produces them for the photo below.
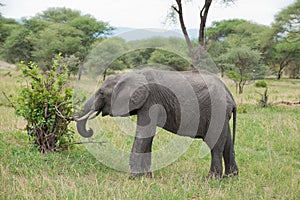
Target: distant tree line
<point x="242" y="50"/>
<point x="116" y="54"/>
<point x="54" y="31"/>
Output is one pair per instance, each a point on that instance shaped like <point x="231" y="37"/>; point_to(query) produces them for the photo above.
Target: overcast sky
<point x="149" y="13"/>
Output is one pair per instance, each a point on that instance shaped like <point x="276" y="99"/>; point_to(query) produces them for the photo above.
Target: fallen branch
<point x="83" y="143"/>
<point x="289" y="103"/>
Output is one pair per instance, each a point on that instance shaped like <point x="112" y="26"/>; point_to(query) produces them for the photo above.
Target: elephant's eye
<point x="100" y="92"/>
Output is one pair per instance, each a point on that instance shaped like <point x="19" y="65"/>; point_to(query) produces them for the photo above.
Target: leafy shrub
<point x="45" y="101"/>
<point x="261" y="83"/>
<point x="242" y="109"/>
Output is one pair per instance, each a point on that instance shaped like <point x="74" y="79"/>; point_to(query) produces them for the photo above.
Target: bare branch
<point x="179" y="11"/>
<point x="8" y="99"/>
<point x="63" y="103"/>
<point x="203" y="18"/>
<point x="34" y="77"/>
<point x="62" y="116"/>
<point x="174" y="8"/>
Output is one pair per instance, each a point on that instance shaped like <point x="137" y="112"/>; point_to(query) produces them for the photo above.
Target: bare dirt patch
<point x="5" y="65"/>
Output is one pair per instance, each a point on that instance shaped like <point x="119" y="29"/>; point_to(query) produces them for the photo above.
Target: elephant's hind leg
<point x="216" y="168"/>
<point x="228" y="154"/>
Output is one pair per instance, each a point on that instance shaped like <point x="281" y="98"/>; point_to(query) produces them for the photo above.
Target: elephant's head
<point x="119" y="95"/>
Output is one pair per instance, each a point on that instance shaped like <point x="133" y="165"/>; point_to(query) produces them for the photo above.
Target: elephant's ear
<point x="130" y="93"/>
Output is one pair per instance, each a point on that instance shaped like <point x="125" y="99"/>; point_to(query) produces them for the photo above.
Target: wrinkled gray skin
<point x="141" y="91"/>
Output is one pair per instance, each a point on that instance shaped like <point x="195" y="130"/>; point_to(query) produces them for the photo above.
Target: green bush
<point x="242" y="109"/>
<point x="261" y="83"/>
<point x="45" y="101"/>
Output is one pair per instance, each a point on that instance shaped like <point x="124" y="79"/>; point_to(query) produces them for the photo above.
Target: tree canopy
<point x="284" y="46"/>
<point x="237" y="46"/>
<point x="56" y="30"/>
<point x="245" y="63"/>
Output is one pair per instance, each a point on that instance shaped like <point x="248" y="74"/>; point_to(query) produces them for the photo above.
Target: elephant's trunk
<point x="82" y="119"/>
<point x="81" y="128"/>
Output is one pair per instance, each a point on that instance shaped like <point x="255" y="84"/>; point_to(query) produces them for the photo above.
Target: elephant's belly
<point x="188" y="130"/>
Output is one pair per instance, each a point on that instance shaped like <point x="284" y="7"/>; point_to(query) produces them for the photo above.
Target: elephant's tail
<point x="234" y="125"/>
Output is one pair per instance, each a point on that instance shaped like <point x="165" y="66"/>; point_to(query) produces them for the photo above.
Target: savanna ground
<point x="267" y="153"/>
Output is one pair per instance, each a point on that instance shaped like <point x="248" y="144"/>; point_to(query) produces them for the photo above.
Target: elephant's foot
<point x="137" y="175"/>
<point x="231" y="175"/>
<point x="213" y="175"/>
<point x="232" y="171"/>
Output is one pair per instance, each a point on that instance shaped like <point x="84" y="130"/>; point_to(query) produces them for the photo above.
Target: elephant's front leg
<point x="140" y="158"/>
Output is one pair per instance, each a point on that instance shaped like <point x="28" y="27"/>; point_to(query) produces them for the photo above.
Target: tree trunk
<point x="280" y="71"/>
<point x="279" y="75"/>
<point x="195" y="53"/>
<point x="203" y="18"/>
<point x="282" y="66"/>
<point x="80" y="72"/>
<point x="241" y="82"/>
<point x="179" y="11"/>
<point x="241" y="87"/>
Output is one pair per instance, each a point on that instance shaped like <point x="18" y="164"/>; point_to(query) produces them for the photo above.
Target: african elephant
<point x="196" y="104"/>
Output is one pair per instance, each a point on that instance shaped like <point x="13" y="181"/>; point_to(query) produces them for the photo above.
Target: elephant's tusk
<point x="93" y="115"/>
<point x="89" y="115"/>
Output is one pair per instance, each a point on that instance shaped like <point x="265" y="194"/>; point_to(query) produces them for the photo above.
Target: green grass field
<point x="267" y="153"/>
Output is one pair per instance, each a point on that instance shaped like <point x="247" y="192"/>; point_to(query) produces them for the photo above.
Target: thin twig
<point x="8" y="100"/>
<point x="34" y="77"/>
<point x="62" y="116"/>
<point x="174" y="8"/>
<point x="259" y="93"/>
<point x="83" y="143"/>
<point x="64" y="103"/>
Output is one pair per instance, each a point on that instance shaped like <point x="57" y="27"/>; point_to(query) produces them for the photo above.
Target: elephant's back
<point x="214" y="98"/>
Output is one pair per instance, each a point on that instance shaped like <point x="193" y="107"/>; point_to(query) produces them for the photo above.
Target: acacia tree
<point x="284" y="46"/>
<point x="245" y="64"/>
<point x="195" y="53"/>
<point x="225" y="35"/>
